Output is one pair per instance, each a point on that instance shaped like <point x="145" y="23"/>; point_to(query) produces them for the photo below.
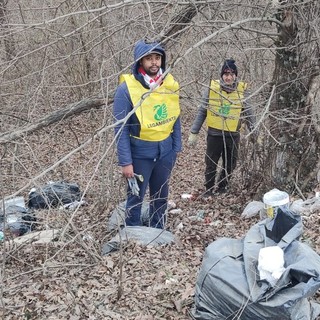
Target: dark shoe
<point x="222" y="190"/>
<point x="207" y="194"/>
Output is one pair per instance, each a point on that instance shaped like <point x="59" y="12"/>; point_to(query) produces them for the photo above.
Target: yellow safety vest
<point x="157" y="111"/>
<point x="224" y="108"/>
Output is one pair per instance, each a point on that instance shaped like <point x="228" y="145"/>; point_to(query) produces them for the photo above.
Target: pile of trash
<point x="20" y="219"/>
<point x="268" y="274"/>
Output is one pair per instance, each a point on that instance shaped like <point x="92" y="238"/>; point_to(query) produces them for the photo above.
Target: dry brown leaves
<point x="69" y="279"/>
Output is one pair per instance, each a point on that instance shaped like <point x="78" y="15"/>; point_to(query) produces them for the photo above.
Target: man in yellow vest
<point x="148" y="131"/>
<point x="223" y="108"/>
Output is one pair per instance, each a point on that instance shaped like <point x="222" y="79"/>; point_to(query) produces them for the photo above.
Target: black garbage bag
<point x="54" y="194"/>
<point x="18" y="220"/>
<point x="229" y="285"/>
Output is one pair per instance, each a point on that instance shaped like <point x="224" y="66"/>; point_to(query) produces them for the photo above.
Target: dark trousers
<point x="156" y="174"/>
<point x="217" y="147"/>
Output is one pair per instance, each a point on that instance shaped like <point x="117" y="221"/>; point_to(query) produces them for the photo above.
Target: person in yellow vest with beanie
<point x="148" y="131"/>
<point x="224" y="107"/>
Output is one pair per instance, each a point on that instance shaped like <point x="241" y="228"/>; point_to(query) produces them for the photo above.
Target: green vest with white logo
<point x="158" y="110"/>
<point x="224" y="108"/>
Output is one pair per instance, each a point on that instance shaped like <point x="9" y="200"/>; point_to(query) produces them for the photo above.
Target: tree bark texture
<point x="294" y="113"/>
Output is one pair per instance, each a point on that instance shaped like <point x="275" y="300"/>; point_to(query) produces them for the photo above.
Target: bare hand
<point x="127" y="171"/>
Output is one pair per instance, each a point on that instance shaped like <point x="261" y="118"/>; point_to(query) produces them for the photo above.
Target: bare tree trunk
<point x="294" y="140"/>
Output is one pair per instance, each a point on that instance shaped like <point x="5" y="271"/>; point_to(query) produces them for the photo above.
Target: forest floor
<point x="70" y="279"/>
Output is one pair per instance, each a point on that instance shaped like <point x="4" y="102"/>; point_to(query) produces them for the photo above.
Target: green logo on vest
<point x="225" y="109"/>
<point x="161" y="112"/>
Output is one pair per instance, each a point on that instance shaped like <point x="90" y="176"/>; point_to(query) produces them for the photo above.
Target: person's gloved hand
<point x="133" y="185"/>
<point x="193" y="139"/>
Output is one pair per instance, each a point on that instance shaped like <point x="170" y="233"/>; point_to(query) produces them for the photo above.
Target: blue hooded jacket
<point x="129" y="147"/>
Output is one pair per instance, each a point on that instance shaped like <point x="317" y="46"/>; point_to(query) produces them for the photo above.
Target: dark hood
<point x="142" y="49"/>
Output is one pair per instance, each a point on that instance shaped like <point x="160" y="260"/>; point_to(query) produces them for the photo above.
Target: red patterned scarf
<point x="152" y="83"/>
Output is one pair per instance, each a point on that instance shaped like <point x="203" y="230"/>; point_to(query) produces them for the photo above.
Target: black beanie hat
<point x="229" y="65"/>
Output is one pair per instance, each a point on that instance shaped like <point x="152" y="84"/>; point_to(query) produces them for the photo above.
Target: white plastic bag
<point x="271" y="264"/>
<point x="252" y="209"/>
